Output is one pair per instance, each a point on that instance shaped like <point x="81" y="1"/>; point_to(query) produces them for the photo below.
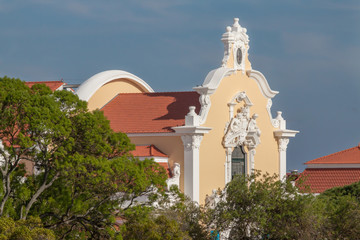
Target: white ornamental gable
<point x="242" y="130"/>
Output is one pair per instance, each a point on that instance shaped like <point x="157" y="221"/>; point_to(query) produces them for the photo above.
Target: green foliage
<point x="141" y="223"/>
<point x="261" y="206"/>
<point x="348" y="190"/>
<point x="190" y="216"/>
<point x="342" y="212"/>
<point x="85" y="175"/>
<point x="30" y="229"/>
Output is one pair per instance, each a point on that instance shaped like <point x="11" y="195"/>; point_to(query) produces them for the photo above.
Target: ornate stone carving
<point x="242" y="130"/>
<point x="205" y="103"/>
<point x="283" y="142"/>
<point x="227" y="39"/>
<point x="204" y="100"/>
<point x="274" y="122"/>
<point x="235" y="38"/>
<point x="191" y="141"/>
<point x="215" y="197"/>
<point x="175" y="180"/>
<point x="239" y="97"/>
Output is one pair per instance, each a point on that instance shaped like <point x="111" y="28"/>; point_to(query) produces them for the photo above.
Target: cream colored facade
<point x="203" y="146"/>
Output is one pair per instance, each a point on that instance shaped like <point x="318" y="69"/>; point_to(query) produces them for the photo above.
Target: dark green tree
<point x="65" y="164"/>
<point x="261" y="206"/>
<point x="29" y="229"/>
<point x="342" y="212"/>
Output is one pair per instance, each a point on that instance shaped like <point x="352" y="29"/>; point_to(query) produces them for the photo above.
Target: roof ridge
<point x="159" y="92"/>
<point x="330" y="169"/>
<point x="333" y="154"/>
<point x="44" y="81"/>
<point x="109" y="101"/>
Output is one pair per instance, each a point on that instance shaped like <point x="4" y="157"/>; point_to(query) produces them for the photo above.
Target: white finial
<point x="236" y="26"/>
<point x="279" y="117"/>
<point x="192" y="119"/>
<point x="236" y="21"/>
<point x="192" y="111"/>
<point x="228" y="29"/>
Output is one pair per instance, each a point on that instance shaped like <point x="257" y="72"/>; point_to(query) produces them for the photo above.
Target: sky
<point x="309" y="51"/>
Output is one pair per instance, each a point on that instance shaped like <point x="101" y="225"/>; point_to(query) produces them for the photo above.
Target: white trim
<point x="214" y="77"/>
<point x="90" y="86"/>
<point x="192" y="165"/>
<point x="192" y="136"/>
<point x="166" y="134"/>
<point x="262" y="83"/>
<point x="282" y="137"/>
<point x="156" y="159"/>
<point x="274" y="122"/>
<point x="60" y="88"/>
<point x="285" y="133"/>
<point x="191" y="130"/>
<point x="333" y="165"/>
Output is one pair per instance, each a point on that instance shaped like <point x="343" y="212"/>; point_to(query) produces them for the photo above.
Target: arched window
<point x="237" y="162"/>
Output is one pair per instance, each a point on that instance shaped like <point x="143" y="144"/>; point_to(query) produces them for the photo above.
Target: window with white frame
<point x="238" y="166"/>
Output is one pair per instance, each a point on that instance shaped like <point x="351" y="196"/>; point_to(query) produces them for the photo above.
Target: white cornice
<point x="165" y="134"/>
<point x="262" y="83"/>
<point x="285" y="133"/>
<point x="333" y="165"/>
<point x="191" y="130"/>
<point x="90" y="86"/>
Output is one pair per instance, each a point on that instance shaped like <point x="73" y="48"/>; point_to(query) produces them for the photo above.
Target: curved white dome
<point x="90" y="86"/>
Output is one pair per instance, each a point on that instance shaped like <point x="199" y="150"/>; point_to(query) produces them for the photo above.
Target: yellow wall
<point x="171" y="146"/>
<point x="230" y="62"/>
<point x="212" y="153"/>
<point x="108" y="91"/>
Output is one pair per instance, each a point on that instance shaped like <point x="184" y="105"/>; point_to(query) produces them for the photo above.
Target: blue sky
<point x="308" y="50"/>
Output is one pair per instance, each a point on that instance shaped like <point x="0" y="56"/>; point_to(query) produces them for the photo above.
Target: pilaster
<point x="282" y="136"/>
<point x="192" y="165"/>
<point x="191" y="136"/>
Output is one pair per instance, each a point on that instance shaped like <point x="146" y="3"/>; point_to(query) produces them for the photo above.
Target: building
<point x="334" y="170"/>
<point x="205" y="136"/>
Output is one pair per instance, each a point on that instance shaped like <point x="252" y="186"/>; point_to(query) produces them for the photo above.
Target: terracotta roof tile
<point x="152" y="151"/>
<point x="53" y="85"/>
<point x="148" y="151"/>
<point x="149" y="112"/>
<point x="348" y="156"/>
<point x="167" y="169"/>
<point x="321" y="179"/>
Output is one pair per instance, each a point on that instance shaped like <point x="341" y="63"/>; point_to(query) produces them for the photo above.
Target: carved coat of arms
<point x="242" y="130"/>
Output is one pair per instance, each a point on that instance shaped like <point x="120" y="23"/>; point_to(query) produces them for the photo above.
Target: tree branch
<point x="43" y="187"/>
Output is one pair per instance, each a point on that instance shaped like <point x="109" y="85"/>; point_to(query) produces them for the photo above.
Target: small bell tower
<point x="236" y="46"/>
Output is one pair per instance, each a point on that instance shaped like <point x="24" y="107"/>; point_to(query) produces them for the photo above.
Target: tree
<point x="84" y="176"/>
<point x="261" y="206"/>
<point x="30" y="229"/>
<point x="342" y="212"/>
<point x="174" y="216"/>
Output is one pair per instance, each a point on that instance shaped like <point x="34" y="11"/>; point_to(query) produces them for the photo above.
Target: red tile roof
<point x="321" y="179"/>
<point x="152" y="151"/>
<point x="149" y="112"/>
<point x="53" y="85"/>
<point x="148" y="151"/>
<point x="348" y="156"/>
<point x="167" y="169"/>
